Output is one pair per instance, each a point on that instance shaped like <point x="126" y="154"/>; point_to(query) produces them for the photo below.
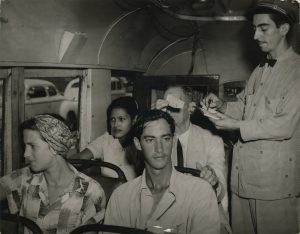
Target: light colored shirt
<point x="188" y="206"/>
<point x="207" y="149"/>
<point x="83" y="201"/>
<point x="109" y="149"/>
<point x="266" y="162"/>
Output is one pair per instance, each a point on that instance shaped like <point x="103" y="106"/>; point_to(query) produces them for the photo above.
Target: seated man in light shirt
<point x="162" y="199"/>
<point x="200" y="148"/>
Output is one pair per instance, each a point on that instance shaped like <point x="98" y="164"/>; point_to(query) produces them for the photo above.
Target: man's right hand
<point x="161" y="104"/>
<point x="212" y="101"/>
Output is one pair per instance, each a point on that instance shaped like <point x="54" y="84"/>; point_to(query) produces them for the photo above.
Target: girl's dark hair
<point x="130" y="106"/>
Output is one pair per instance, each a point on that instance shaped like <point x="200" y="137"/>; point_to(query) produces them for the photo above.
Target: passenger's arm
<point x="95" y="207"/>
<point x="85" y="154"/>
<point x="94" y="150"/>
<point x="204" y="212"/>
<point x="13" y="184"/>
<point x="113" y="213"/>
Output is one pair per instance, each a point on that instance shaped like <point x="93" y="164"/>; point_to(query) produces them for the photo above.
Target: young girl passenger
<point x="116" y="145"/>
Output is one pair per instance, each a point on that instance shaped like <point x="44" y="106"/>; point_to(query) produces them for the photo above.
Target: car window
<point x="36" y="91"/>
<point x="113" y="85"/>
<point x="119" y="85"/>
<point x="75" y="85"/>
<point x="52" y="91"/>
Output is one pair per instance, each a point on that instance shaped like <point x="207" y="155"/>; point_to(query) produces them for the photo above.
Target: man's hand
<point x="213" y="102"/>
<point x="208" y="174"/>
<point x="225" y="122"/>
<point x="161" y="104"/>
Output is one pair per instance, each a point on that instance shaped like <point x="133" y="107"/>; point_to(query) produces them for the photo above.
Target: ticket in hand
<point x="174" y="102"/>
<point x="210" y="113"/>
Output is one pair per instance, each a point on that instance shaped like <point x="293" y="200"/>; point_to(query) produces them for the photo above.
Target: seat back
<point x="187" y="170"/>
<point x="13" y="223"/>
<point x="92" y="168"/>
<point x="107" y="229"/>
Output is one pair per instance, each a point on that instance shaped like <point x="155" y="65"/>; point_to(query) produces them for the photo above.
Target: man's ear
<point x="284" y="29"/>
<point x="137" y="143"/>
<point x="192" y="107"/>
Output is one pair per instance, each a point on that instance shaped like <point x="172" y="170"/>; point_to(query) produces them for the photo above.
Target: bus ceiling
<point x="116" y="34"/>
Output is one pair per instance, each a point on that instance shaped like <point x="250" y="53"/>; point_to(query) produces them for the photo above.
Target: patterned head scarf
<point x="55" y="133"/>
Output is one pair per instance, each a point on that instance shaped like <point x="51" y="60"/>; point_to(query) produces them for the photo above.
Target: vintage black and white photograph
<point x="150" y="116"/>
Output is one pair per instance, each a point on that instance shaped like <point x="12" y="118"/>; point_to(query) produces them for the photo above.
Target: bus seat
<point x="92" y="168"/>
<point x="187" y="170"/>
<point x="4" y="206"/>
<point x="107" y="229"/>
<point x="14" y="223"/>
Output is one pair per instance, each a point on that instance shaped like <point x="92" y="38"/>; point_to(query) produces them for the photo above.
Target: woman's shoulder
<point x="129" y="189"/>
<point x="22" y="172"/>
<point x="105" y="138"/>
<point x="88" y="185"/>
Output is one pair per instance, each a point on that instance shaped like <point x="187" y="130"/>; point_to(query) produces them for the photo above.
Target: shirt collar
<point x="286" y="54"/>
<point x="172" y="185"/>
<point x="79" y="185"/>
<point x="184" y="136"/>
<point x="184" y="141"/>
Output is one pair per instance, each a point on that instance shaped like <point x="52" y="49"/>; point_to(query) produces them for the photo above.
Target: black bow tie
<point x="270" y="62"/>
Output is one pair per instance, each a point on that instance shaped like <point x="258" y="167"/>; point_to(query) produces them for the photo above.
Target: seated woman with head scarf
<point x="50" y="191"/>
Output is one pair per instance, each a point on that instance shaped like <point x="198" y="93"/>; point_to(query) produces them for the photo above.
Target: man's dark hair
<point x="152" y="115"/>
<point x="279" y="19"/>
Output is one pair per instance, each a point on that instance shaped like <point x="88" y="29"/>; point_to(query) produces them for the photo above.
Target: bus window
<point x="36" y="92"/>
<point x="122" y="83"/>
<point x="118" y="87"/>
<point x="57" y="95"/>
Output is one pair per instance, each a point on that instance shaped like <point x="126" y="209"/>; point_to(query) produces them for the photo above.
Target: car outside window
<point x="36" y="91"/>
<point x="119" y="84"/>
<point x="75" y="85"/>
<point x="52" y="91"/>
<point x="113" y="85"/>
